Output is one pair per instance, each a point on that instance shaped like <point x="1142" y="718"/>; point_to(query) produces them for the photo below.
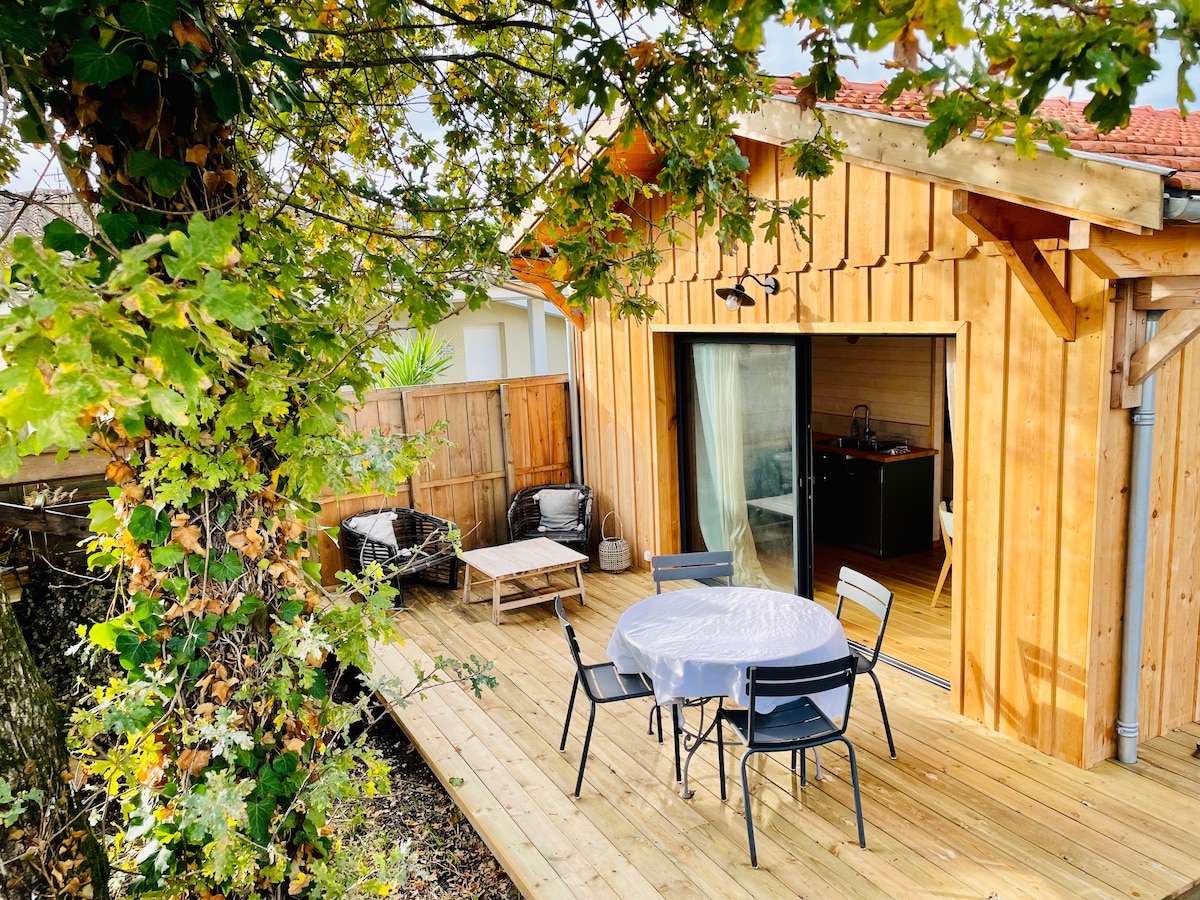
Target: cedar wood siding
<point x="1041" y="465"/>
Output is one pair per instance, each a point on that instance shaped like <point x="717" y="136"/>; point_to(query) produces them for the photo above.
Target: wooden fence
<point x="505" y="435"/>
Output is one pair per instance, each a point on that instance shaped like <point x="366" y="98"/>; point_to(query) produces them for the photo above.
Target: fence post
<point x="510" y="466"/>
<point x="414" y="480"/>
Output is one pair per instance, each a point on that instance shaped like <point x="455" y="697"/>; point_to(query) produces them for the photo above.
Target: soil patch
<point x="447" y="858"/>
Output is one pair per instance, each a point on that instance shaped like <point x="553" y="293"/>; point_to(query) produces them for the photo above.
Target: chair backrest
<point x="869" y="594"/>
<point x="525" y="514"/>
<point x="683" y="566"/>
<point x="947" y="519"/>
<point x="573" y="643"/>
<point x="798" y="681"/>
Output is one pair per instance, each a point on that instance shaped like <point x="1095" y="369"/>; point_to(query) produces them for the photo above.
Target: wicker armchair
<point x="525" y="517"/>
<point x="420" y="550"/>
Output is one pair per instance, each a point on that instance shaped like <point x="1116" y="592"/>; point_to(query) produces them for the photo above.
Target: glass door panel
<point x="739" y="459"/>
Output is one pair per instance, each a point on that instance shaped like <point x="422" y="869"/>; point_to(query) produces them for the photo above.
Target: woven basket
<point x="614" y="551"/>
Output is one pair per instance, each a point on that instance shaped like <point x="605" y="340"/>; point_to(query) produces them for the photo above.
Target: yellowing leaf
<point x="189" y="538"/>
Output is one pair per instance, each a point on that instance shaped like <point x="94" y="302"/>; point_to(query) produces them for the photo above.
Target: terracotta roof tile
<point x="1159" y="137"/>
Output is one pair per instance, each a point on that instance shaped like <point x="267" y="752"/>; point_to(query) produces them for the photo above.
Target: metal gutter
<point x="1181" y="207"/>
<point x="1137" y="529"/>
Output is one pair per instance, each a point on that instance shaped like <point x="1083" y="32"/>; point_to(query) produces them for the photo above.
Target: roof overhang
<point x="1108" y="191"/>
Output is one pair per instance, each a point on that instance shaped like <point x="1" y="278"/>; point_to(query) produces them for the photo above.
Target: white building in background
<point x="514" y="336"/>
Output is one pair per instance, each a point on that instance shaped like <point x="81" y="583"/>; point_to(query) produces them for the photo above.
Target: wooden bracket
<point x="1129" y="333"/>
<point x="533" y="271"/>
<point x="1013" y="229"/>
<point x="1175" y="329"/>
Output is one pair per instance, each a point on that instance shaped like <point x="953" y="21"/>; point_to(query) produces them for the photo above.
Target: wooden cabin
<point x="987" y="309"/>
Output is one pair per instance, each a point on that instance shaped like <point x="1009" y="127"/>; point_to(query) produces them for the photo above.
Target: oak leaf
<point x="119" y="472"/>
<point x="187" y="33"/>
<point x="194" y="761"/>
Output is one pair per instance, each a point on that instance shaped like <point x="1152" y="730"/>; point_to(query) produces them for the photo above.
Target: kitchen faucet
<point x="862" y="430"/>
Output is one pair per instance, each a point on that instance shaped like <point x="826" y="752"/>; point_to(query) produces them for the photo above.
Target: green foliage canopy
<point x="264" y="183"/>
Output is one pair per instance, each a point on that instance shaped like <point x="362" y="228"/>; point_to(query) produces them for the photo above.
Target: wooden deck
<point x="961" y="813"/>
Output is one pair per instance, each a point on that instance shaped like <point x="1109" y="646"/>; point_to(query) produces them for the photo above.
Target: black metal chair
<point x="419" y="551"/>
<point x="573" y="528"/>
<point x="876" y="599"/>
<point x="602" y="683"/>
<point x="797" y="726"/>
<point x="692" y="566"/>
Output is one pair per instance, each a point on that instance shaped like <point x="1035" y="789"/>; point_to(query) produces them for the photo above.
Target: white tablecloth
<point x="698" y="642"/>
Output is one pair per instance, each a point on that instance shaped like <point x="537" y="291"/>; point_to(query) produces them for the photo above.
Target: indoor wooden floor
<point x="916" y="633"/>
<point x="962" y="813"/>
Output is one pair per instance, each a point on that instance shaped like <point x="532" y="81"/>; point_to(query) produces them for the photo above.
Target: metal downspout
<point x="1137" y="529"/>
<point x="573" y="401"/>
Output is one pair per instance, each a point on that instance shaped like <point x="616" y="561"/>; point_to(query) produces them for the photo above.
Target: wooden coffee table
<point x="512" y="562"/>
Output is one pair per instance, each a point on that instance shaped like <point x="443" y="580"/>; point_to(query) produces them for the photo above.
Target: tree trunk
<point x="33" y="754"/>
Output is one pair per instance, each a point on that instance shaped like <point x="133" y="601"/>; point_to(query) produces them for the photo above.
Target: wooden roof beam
<point x="1175" y="329"/>
<point x="1105" y="191"/>
<point x="1182" y="292"/>
<point x="532" y="271"/>
<point x="1114" y="254"/>
<point x="1013" y="229"/>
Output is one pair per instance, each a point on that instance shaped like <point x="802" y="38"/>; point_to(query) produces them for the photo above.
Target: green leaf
<point x="95" y="65"/>
<point x="168" y="405"/>
<point x="167" y="557"/>
<point x="234" y="304"/>
<point x="227" y="568"/>
<point x="31" y="130"/>
<point x="146" y="526"/>
<point x="150" y="18"/>
<point x="205" y="245"/>
<point x="118" y="226"/>
<point x="63" y="236"/>
<point x="259" y="814"/>
<point x="103" y="517"/>
<point x="104" y="635"/>
<point x="269" y="781"/>
<point x="170" y="348"/>
<point x="177" y="585"/>
<point x="225" y="91"/>
<point x="165" y="176"/>
<point x="289" y="610"/>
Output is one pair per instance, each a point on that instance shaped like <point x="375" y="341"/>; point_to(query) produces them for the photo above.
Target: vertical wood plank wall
<point x="503" y="436"/>
<point x="1041" y="462"/>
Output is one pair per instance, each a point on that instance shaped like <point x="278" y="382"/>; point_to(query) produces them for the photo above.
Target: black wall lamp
<point x="736" y="296"/>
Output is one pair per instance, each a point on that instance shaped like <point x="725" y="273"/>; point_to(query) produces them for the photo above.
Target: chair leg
<point x="862" y="835"/>
<point x="676" y="731"/>
<point x="887" y="728"/>
<point x="655" y="710"/>
<point x="721" y="758"/>
<point x="570" y="708"/>
<point x="937" y="591"/>
<point x="803" y="767"/>
<point x="587" y="740"/>
<point x="749" y="818"/>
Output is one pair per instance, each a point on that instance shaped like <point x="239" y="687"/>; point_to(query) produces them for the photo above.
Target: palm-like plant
<point x="420" y="360"/>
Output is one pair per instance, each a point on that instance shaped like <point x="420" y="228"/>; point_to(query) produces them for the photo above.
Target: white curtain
<point x="720" y="461"/>
<point x="950" y="375"/>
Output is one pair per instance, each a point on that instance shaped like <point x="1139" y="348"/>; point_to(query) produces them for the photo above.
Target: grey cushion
<point x="377" y="526"/>
<point x="559" y="510"/>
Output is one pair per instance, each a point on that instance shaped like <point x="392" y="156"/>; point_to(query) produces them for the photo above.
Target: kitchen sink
<point x="849" y="443"/>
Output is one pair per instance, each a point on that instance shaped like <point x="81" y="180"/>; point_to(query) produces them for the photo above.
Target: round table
<point x="698" y="642"/>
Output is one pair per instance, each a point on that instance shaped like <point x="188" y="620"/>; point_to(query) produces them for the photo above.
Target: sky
<point x="780" y="57"/>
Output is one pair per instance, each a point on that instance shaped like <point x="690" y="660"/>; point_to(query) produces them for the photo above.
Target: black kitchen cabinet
<point x="881" y="508"/>
<point x="829" y="485"/>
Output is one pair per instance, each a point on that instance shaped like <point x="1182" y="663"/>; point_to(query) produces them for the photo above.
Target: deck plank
<point x="962" y="813"/>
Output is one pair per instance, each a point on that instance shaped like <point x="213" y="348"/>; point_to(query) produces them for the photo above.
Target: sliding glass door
<point x="744" y="456"/>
